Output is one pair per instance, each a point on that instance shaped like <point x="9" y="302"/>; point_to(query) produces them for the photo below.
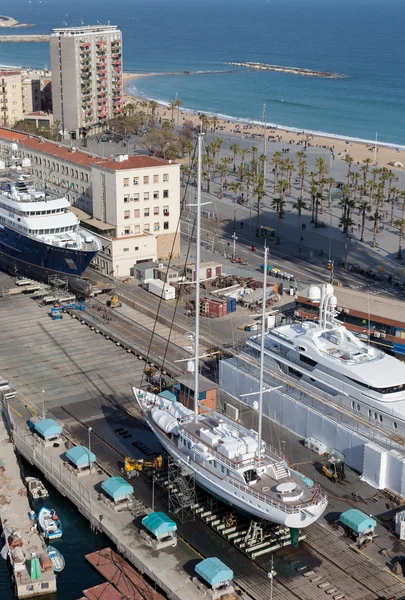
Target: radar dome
<point x="14" y="147"/>
<point x="190" y="366"/>
<point x="314" y="293"/>
<point x="255" y="405"/>
<point x="26" y="162"/>
<point x="329" y="288"/>
<point x="333" y="301"/>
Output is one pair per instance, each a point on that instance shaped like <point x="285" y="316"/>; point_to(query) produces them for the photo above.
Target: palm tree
<point x="153" y="105"/>
<point x="204" y="122"/>
<point x="235" y="148"/>
<point x="216" y="145"/>
<point x="302" y="171"/>
<point x="290" y="168"/>
<point x="214" y="123"/>
<point x="349" y="161"/>
<point x="173" y="106"/>
<point x="375" y="218"/>
<point x="254" y="150"/>
<point x="391" y="198"/>
<point x="236" y="187"/>
<point x="262" y="161"/>
<point x="313" y="192"/>
<point x="346" y="222"/>
<point x="243" y="153"/>
<point x="260" y="193"/>
<point x="363" y="207"/>
<point x="276" y="162"/>
<point x="278" y="205"/>
<point x="331" y="182"/>
<point x="299" y="206"/>
<point x="222" y="170"/>
<point x="208" y="163"/>
<point x="184" y="170"/>
<point x="178" y="102"/>
<point x="401" y="225"/>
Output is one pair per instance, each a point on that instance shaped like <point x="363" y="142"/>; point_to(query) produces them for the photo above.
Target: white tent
<point x="396" y="163"/>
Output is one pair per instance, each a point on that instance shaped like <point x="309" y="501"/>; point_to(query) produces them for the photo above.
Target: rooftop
<point x="84" y="29"/>
<point x="134" y="162"/>
<point x="8" y="73"/>
<point x="204" y="383"/>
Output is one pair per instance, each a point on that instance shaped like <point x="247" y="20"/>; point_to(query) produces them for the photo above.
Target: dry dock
<point x="14" y="518"/>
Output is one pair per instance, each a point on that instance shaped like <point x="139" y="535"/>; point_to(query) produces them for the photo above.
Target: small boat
<point x="49" y="523"/>
<point x="57" y="560"/>
<point x="36" y="488"/>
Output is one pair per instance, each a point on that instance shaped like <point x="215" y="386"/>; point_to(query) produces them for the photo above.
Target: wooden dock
<point x="122" y="576"/>
<point x="104" y="591"/>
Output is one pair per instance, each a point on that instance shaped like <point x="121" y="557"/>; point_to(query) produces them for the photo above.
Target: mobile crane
<point x="133" y="467"/>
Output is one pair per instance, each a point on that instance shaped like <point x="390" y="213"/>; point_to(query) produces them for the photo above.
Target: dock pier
<point x="32" y="571"/>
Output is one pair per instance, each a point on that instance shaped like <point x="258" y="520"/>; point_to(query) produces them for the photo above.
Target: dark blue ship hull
<point x="22" y="255"/>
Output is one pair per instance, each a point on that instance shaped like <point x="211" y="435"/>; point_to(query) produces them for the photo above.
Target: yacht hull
<point x="23" y="255"/>
<point x="243" y="501"/>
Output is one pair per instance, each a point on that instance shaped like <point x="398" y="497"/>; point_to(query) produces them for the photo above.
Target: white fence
<point x="380" y="467"/>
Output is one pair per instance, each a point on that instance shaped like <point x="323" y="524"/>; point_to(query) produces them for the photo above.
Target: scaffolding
<point x="59" y="283"/>
<point x="181" y="490"/>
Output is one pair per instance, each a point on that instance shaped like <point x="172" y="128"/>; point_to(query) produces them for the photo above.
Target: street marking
<point x="33" y="410"/>
<point x="15" y="410"/>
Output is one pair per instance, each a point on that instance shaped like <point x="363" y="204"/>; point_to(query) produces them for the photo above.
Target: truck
<point x="161" y="289"/>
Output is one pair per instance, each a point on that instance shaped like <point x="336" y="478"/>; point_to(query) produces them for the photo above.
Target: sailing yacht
<point x="229" y="461"/>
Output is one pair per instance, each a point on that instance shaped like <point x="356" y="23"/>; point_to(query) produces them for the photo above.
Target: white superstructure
<point x="43" y="217"/>
<point x="327" y="355"/>
<point x="224" y="458"/>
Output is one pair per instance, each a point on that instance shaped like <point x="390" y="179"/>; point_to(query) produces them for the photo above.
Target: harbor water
<point x="78" y="540"/>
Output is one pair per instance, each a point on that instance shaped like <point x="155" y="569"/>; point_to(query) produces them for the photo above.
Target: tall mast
<point x="263" y="329"/>
<point x="197" y="278"/>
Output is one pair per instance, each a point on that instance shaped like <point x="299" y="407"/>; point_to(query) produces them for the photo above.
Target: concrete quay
<point x="15" y="521"/>
<point x="24" y="38"/>
<point x="167" y="569"/>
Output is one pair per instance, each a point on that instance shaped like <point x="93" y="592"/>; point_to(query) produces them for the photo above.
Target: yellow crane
<point x="133" y="467"/>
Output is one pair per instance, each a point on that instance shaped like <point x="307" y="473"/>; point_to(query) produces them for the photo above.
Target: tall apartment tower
<point x="86" y="65"/>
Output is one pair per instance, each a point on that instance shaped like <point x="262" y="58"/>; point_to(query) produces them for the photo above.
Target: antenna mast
<point x="263" y="329"/>
<point x="197" y="278"/>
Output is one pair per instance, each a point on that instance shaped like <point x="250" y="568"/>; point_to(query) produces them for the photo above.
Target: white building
<point x="132" y="204"/>
<point x="86" y="65"/>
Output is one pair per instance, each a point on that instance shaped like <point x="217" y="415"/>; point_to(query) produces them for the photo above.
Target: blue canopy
<point x="117" y="488"/>
<point x="214" y="571"/>
<point x="357" y="521"/>
<point x="159" y="524"/>
<point x="48" y="428"/>
<point x="80" y="456"/>
<point x="168" y="395"/>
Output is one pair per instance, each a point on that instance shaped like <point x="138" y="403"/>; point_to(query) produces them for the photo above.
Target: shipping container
<point x="231" y="305"/>
<point x="161" y="289"/>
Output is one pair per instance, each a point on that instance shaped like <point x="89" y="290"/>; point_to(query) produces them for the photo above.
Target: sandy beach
<point x="358" y="150"/>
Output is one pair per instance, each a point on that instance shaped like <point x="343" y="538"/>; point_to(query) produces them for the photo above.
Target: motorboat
<point x="36" y="488"/>
<point x="57" y="560"/>
<point x="49" y="523"/>
<point x="326" y="355"/>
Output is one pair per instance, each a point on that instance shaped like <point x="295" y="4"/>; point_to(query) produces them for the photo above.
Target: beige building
<point x="131" y="203"/>
<point x="31" y="95"/>
<point x="86" y="65"/>
<point x="11" y="105"/>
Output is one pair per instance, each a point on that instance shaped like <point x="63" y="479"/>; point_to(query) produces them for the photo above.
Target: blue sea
<point x="358" y="38"/>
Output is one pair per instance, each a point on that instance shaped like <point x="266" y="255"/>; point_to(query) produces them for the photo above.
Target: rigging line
<point x="186" y="258"/>
<point x="161" y="297"/>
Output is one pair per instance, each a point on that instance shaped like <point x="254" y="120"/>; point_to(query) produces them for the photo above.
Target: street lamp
<point x="43" y="404"/>
<point x="90" y="429"/>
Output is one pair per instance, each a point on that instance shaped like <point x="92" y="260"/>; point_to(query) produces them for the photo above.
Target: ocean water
<point x="77" y="540"/>
<point x="362" y="39"/>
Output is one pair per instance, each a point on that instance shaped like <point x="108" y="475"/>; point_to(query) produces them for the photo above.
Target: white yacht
<point x="39" y="235"/>
<point x="325" y="354"/>
<point x="229" y="461"/>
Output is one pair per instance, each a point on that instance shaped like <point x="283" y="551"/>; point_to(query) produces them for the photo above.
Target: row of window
<point x="72" y="186"/>
<point x="146" y="179"/>
<point x="135" y="197"/>
<point x="45" y="162"/>
<point x="146" y="212"/>
<point x="136" y="248"/>
<point x="372" y="414"/>
<point x="146" y="227"/>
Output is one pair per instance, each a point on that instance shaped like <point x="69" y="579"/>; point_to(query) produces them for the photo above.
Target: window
<point x="126" y="231"/>
<point x="146" y="195"/>
<point x="126" y="198"/>
<point x="126" y="249"/>
<point x="146" y="227"/>
<point x="165" y="193"/>
<point x="137" y="213"/>
<point x="137" y="229"/>
<point x="136" y="197"/>
<point x="156" y="179"/>
<point x="156" y="227"/>
<point x="395" y="425"/>
<point x="126" y="181"/>
<point x="146" y="212"/>
<point x="126" y="214"/>
<point x="136" y="180"/>
<point x="136" y="248"/>
<point x="166" y="211"/>
<point x="156" y="195"/>
<point x="166" y="225"/>
<point x="156" y="210"/>
<point x="166" y="177"/>
<point x="146" y="179"/>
